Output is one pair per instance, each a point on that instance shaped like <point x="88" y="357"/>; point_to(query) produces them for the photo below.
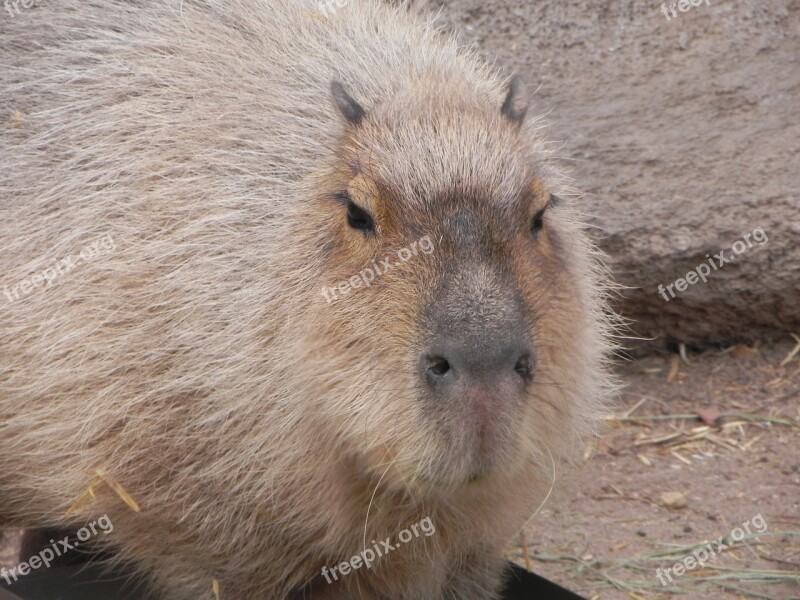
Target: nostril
<point x="524" y="366"/>
<point x="438" y="366"/>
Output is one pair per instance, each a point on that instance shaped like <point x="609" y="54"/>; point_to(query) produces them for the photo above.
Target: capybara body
<point x="279" y="282"/>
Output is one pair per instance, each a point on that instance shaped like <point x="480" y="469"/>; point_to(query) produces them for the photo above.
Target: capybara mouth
<point x="470" y="449"/>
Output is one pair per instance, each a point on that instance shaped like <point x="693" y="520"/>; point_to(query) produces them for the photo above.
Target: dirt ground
<point x="601" y="534"/>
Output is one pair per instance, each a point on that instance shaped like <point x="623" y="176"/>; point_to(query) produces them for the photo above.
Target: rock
<point x="673" y="500"/>
<point x="709" y="415"/>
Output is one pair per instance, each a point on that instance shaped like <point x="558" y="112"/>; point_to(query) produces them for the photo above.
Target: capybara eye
<point x="524" y="366"/>
<point x="538" y="221"/>
<point x="359" y="219"/>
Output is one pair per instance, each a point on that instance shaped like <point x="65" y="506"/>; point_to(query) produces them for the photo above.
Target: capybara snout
<point x="478" y="357"/>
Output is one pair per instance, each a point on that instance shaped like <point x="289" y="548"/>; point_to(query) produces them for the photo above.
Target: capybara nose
<point x="487" y="362"/>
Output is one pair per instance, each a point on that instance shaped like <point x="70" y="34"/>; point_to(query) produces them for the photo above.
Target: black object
<point x="524" y="585"/>
<point x="90" y="583"/>
<point x="78" y="582"/>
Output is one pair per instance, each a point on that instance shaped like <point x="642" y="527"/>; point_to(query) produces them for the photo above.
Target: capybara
<point x="279" y="281"/>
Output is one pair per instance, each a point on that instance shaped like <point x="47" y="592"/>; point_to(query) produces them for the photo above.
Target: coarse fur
<point x="264" y="431"/>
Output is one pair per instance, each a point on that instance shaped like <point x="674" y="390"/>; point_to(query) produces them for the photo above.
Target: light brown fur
<point x="264" y="432"/>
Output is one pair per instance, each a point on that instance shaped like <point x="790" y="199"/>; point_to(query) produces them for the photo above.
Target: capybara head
<point x="463" y="282"/>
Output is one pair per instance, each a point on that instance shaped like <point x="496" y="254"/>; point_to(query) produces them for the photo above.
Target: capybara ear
<point x="516" y="103"/>
<point x="347" y="105"/>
